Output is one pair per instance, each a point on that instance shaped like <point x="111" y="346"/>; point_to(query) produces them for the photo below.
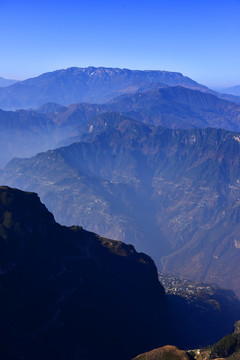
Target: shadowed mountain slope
<point x="70" y="294"/>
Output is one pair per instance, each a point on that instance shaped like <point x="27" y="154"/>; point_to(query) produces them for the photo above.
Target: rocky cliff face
<point x="66" y="293"/>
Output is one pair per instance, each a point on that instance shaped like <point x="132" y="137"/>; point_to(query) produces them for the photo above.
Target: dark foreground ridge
<point x="69" y="294"/>
<point x="66" y="293"/>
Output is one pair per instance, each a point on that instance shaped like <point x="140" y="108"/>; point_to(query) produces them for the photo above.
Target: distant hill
<point x="95" y="85"/>
<point x="6" y="82"/>
<point x="171" y="107"/>
<point x="179" y="107"/>
<point x="225" y="96"/>
<point x="25" y="133"/>
<point x="173" y="193"/>
<point x="49" y="107"/>
<point x="235" y="90"/>
<point x="87" y="130"/>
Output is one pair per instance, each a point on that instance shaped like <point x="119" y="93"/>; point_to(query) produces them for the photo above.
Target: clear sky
<point x="201" y="39"/>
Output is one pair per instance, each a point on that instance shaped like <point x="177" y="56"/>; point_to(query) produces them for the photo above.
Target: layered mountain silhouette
<point x="90" y="84"/>
<point x="171" y="107"/>
<point x="173" y="193"/>
<point x="179" y="107"/>
<point x="95" y="85"/>
<point x="26" y="132"/>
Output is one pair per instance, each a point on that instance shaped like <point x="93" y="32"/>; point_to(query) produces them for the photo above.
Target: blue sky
<point x="201" y="39"/>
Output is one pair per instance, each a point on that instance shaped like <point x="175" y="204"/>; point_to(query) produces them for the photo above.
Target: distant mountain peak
<point x="91" y="84"/>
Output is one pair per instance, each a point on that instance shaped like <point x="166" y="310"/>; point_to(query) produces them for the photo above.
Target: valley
<point x="119" y="180"/>
<point x="187" y="182"/>
<point x="148" y="158"/>
<point x="72" y="287"/>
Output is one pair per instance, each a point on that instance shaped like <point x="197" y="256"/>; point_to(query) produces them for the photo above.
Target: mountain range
<point x="179" y="107"/>
<point x="172" y="193"/>
<point x="26" y="132"/>
<point x="149" y="158"/>
<point x="94" y="85"/>
<point x="149" y="148"/>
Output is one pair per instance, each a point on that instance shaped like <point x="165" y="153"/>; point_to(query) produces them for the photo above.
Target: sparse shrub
<point x="225" y="347"/>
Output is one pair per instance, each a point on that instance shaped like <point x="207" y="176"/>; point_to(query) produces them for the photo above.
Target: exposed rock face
<point x="167" y="352"/>
<point x="66" y="293"/>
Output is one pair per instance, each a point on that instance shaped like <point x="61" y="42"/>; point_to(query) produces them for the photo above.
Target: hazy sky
<point x="201" y="39"/>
